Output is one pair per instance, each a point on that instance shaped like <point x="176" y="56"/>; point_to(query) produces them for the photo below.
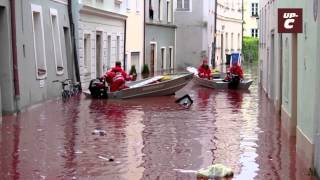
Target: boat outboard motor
<point x="98" y="89"/>
<point x="234" y="82"/>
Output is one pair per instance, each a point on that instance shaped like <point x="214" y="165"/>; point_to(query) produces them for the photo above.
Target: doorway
<point x="135" y="61"/>
<point x="294" y="84"/>
<point x="6" y="80"/>
<point x="171" y="63"/>
<point x="163" y="59"/>
<point x="271" y="69"/>
<point x="70" y="63"/>
<point x="153" y="60"/>
<point x="279" y="103"/>
<point x="87" y="55"/>
<point x="221" y="53"/>
<point x="98" y="54"/>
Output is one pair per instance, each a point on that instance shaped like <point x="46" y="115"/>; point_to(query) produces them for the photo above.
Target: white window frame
<point x="183" y="8"/>
<point x="38" y="9"/>
<point x="54" y="12"/>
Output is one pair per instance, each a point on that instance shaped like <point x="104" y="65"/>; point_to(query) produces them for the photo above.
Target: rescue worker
<point x="234" y="70"/>
<point x="117" y="78"/>
<point x="204" y="70"/>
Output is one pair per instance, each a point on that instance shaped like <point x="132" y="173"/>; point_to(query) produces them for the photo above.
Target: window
<point x="169" y="11"/>
<point x="183" y="5"/>
<point x="138" y="6"/>
<point x="254" y="33"/>
<point x="128" y="5"/>
<point x="254" y="9"/>
<point x="150" y="10"/>
<point x="56" y="41"/>
<point x="38" y="41"/>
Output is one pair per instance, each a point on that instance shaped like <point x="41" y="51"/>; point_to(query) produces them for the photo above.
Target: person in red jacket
<point x="204" y="70"/>
<point x="117" y="78"/>
<point x="235" y="70"/>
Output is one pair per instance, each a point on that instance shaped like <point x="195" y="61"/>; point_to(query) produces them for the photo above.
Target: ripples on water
<point x="147" y="138"/>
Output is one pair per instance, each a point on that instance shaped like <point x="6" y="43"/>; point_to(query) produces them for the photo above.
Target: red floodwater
<point x="148" y="138"/>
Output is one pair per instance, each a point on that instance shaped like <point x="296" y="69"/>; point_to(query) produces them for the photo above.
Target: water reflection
<point x="148" y="138"/>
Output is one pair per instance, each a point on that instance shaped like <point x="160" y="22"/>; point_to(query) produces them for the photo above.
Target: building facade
<point x="287" y="73"/>
<point x="229" y="29"/>
<point x="135" y="34"/>
<point x="101" y="37"/>
<point x="160" y="35"/>
<point x="35" y="50"/>
<point x="250" y="18"/>
<point x="195" y="22"/>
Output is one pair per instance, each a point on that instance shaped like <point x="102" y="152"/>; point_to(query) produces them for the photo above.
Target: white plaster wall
<point x="229" y="20"/>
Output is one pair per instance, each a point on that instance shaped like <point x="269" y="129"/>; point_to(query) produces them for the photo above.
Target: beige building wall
<point x="134" y="34"/>
<point x="250" y="15"/>
<point x="229" y="29"/>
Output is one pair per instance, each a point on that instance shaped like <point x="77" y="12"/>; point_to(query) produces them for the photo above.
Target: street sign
<point x="290" y="20"/>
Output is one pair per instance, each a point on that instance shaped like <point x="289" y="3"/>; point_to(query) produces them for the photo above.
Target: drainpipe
<point x="215" y="35"/>
<point x="242" y="31"/>
<point x="14" y="50"/>
<point x="74" y="47"/>
<point x="144" y="32"/>
<point x="125" y="46"/>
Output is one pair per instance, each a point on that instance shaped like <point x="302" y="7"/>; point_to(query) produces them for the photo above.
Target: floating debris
<point x="99" y="132"/>
<point x="215" y="171"/>
<point x="106" y="159"/>
<point x="185" y="101"/>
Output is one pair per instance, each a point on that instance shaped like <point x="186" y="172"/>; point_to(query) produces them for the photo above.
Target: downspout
<point x="72" y="29"/>
<point x="215" y="35"/>
<point x="14" y="49"/>
<point x="125" y="46"/>
<point x="242" y="31"/>
<point x="144" y="32"/>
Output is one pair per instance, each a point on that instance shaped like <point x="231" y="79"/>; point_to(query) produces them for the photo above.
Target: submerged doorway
<point x="6" y="80"/>
<point x="70" y="63"/>
<point x="99" y="54"/>
<point x="153" y="60"/>
<point x="294" y="84"/>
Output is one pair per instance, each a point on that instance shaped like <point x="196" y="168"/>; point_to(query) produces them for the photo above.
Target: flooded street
<point x="148" y="138"/>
